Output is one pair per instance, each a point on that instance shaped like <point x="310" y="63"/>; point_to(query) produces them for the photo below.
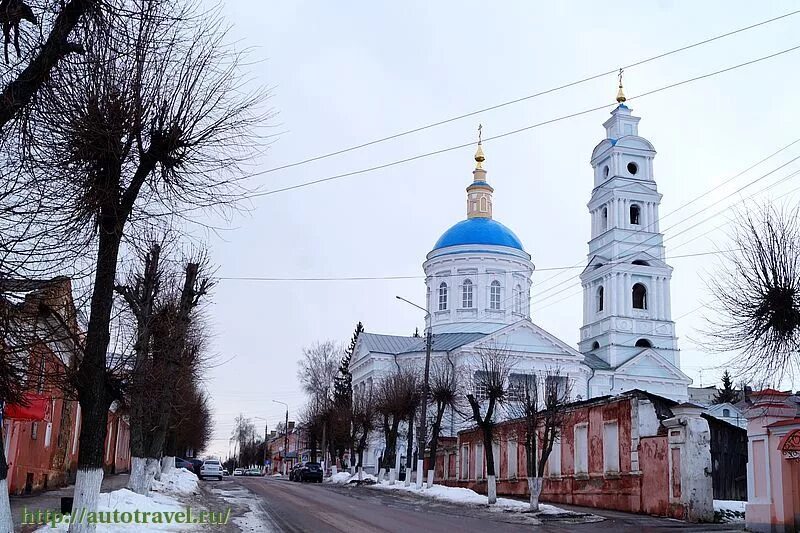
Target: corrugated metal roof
<point x="395" y="344"/>
<point x="592" y="361"/>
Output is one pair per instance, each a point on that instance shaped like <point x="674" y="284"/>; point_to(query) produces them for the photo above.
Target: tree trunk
<point x="491" y="488"/>
<point x="488" y="452"/>
<point x="409" y="450"/>
<point x="436" y="428"/>
<point x="535" y="488"/>
<point x="167" y="464"/>
<point x="92" y="377"/>
<point x="6" y="520"/>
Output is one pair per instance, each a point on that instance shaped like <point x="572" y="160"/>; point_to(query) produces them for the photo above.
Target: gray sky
<point x="348" y="72"/>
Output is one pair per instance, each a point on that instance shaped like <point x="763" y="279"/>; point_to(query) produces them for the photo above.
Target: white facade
<point x="478" y="282"/>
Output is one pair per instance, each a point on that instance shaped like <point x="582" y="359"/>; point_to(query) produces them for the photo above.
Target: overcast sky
<point x="344" y="73"/>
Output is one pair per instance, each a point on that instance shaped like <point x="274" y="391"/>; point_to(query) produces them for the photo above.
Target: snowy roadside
<point x="449" y="494"/>
<point x="170" y="496"/>
<point x="255" y="518"/>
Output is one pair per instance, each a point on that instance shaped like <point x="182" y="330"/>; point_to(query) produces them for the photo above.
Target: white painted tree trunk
<point x="430" y="478"/>
<point x="167" y="464"/>
<point x="360" y="473"/>
<point x="87" y="492"/>
<point x="391" y="476"/>
<point x="6" y="520"/>
<point x="333" y="470"/>
<point x="491" y="482"/>
<point x="407" y="481"/>
<point x="153" y="469"/>
<point x="420" y="471"/>
<point x="535" y="488"/>
<point x="139" y="482"/>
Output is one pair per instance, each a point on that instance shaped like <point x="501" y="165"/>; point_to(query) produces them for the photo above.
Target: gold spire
<point x="479" y="157"/>
<point x="620" y="94"/>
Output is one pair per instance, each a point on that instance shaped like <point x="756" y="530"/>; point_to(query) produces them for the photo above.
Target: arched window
<point x="466" y="294"/>
<point x="639" y="296"/>
<point x="605" y="218"/>
<point x="518" y="300"/>
<point x="494" y="295"/>
<point x="635" y="211"/>
<point x="595" y="345"/>
<point x="443" y="297"/>
<point x="600" y="298"/>
<point x="484" y="207"/>
<point x="644" y="343"/>
<point x="726" y="412"/>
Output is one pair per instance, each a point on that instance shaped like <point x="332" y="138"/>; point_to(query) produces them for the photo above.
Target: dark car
<point x="183" y="463"/>
<point x="307" y="472"/>
<point x="197" y="464"/>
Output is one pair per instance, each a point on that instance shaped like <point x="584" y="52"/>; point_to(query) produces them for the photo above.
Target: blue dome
<point x="479" y="231"/>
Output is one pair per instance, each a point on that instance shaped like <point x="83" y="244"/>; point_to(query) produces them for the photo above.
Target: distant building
<point x="702" y="395"/>
<point x="728" y="412"/>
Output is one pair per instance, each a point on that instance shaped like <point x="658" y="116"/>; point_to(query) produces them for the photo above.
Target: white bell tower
<point x="626" y="284"/>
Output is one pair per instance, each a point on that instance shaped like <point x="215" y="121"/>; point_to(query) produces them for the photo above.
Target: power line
<point x="391" y="278"/>
<point x="511" y="132"/>
<point x="523" y="98"/>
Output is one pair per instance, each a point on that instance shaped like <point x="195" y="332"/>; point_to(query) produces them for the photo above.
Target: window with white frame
<point x="443" y="296"/>
<point x="518" y="300"/>
<point x="496" y="458"/>
<point x="465" y="461"/>
<point x="554" y="461"/>
<point x="512" y="452"/>
<point x="581" y="459"/>
<point x="480" y="390"/>
<point x="611" y="446"/>
<point x="560" y="382"/>
<point x="479" y="461"/>
<point x="466" y="294"/>
<point x="494" y="295"/>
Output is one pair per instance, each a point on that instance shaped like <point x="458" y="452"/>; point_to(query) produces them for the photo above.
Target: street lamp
<point x="285" y="435"/>
<point x="421" y="434"/>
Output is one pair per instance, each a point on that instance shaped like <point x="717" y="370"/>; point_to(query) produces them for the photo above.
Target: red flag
<point x="37" y="408"/>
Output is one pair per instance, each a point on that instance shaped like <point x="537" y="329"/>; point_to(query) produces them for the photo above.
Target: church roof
<point x="594" y="362"/>
<point x="396" y="344"/>
<point x="484" y="231"/>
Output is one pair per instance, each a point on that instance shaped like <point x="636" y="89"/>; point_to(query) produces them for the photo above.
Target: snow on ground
<point x="343" y="478"/>
<point x="256" y="519"/>
<point x="729" y="510"/>
<point x="178" y="480"/>
<point x="124" y="500"/>
<point x="449" y="494"/>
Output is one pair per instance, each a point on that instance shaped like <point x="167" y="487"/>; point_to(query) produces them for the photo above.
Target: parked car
<point x="306" y="472"/>
<point x="225" y="472"/>
<point x="252" y="472"/>
<point x="183" y="463"/>
<point x="238" y="472"/>
<point x="211" y="468"/>
<point x="197" y="464"/>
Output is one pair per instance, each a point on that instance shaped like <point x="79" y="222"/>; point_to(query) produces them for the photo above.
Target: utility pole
<point x="285" y="436"/>
<point x="265" y="446"/>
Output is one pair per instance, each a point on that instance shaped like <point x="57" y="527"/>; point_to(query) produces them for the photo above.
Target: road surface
<point x="300" y="507"/>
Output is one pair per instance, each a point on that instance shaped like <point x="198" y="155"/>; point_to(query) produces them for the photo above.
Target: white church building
<point x="478" y="289"/>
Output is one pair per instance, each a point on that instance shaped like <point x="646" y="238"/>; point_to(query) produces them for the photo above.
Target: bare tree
<point x="150" y="121"/>
<point x="363" y="423"/>
<point x="490" y="390"/>
<point x="757" y="290"/>
<point x="397" y="396"/>
<point x="541" y="404"/>
<point x="317" y="371"/>
<point x="446" y="392"/>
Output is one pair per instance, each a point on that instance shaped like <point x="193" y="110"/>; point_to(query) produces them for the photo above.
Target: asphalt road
<point x="300" y="507"/>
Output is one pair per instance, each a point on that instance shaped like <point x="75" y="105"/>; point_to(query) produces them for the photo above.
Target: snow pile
<point x="340" y="478"/>
<point x="277" y="474"/>
<point x="177" y="480"/>
<point x="123" y="500"/>
<point x="468" y="497"/>
<point x="729" y="511"/>
<point x="343" y="478"/>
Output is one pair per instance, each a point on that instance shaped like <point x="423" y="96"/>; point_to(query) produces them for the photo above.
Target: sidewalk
<point x="51" y="499"/>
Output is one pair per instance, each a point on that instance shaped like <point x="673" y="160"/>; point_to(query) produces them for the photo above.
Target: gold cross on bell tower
<point x="620" y="94"/>
<point x="479" y="157"/>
